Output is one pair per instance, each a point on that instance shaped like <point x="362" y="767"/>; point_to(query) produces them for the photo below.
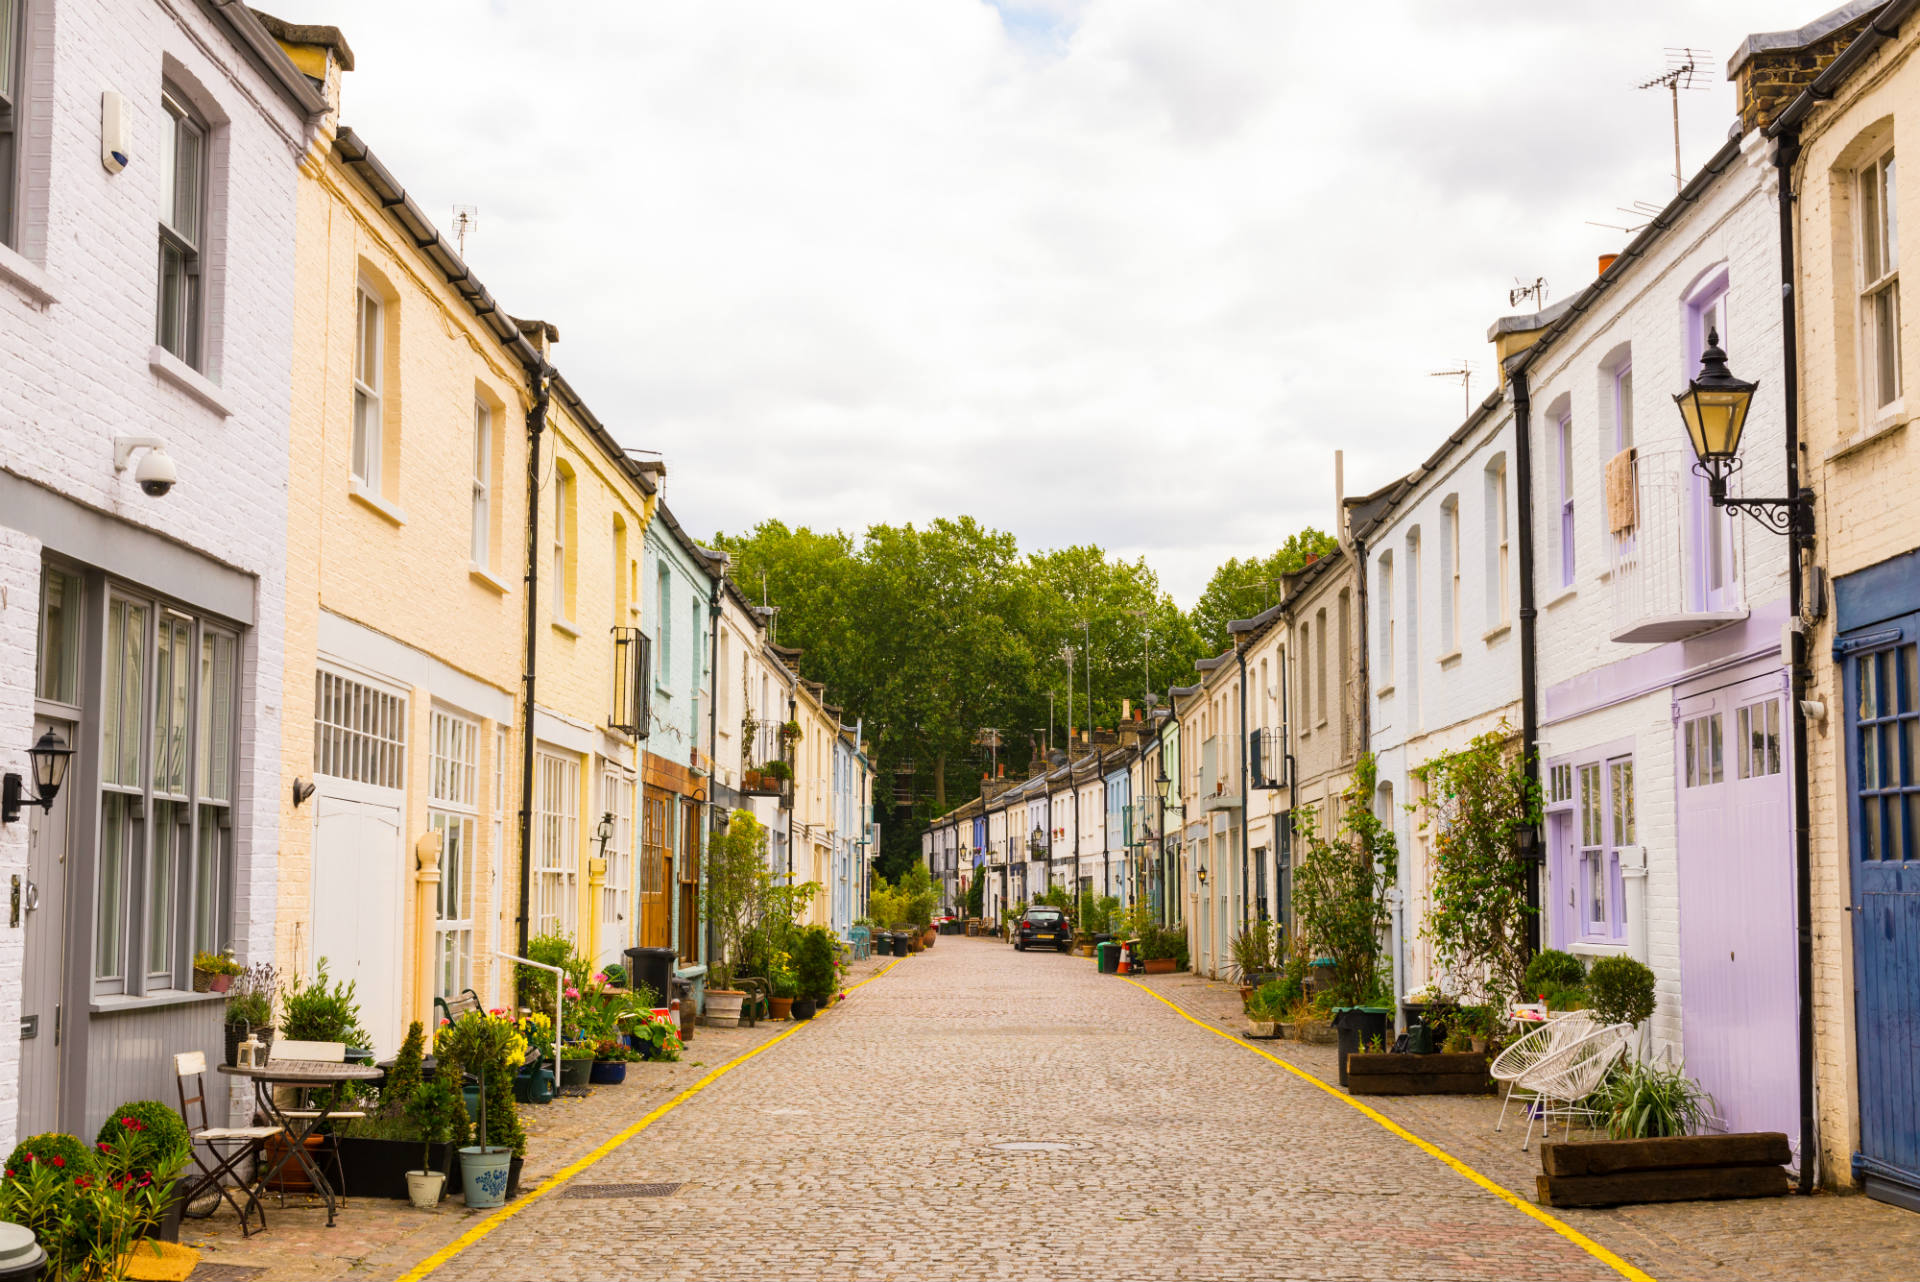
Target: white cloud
<point x="1123" y="271"/>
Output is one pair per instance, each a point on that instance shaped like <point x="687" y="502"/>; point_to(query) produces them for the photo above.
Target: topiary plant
<point x="149" y="1135"/>
<point x="1551" y="966"/>
<point x="404" y="1078"/>
<point x="63" y="1152"/>
<point x="1620" y="991"/>
<point x="813" y="963"/>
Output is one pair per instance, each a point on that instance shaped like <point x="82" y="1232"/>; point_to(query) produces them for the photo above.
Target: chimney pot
<point x="1606" y="261"/>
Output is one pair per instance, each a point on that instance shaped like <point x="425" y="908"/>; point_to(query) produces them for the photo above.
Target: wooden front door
<point x="1882" y="695"/>
<point x="689" y="881"/>
<point x="1734" y="832"/>
<point x="656" y="870"/>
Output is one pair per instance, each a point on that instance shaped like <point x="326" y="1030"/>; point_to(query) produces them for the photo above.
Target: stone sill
<point x="121" y="1004"/>
<point x="379" y="506"/>
<point x="172" y="369"/>
<point x="1562" y="599"/>
<point x="1448" y="659"/>
<point x="566" y="628"/>
<point x="1879" y="431"/>
<point x="26" y="277"/>
<point x="1500" y="633"/>
<point x="486" y="580"/>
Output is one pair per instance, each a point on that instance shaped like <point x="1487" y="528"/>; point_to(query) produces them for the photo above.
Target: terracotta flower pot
<point x="1159" y="965"/>
<point x="782" y="1007"/>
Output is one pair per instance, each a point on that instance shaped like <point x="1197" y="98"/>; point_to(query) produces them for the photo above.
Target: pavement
<point x="979" y="1113"/>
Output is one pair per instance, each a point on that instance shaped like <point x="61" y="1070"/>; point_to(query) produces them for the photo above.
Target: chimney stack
<point x="1770" y="69"/>
<point x="1606" y="261"/>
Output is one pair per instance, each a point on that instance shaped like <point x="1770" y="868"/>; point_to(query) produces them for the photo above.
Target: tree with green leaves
<point x="1241" y="589"/>
<point x="1340" y="889"/>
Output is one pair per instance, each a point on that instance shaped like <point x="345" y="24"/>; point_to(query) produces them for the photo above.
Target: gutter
<point x="1246" y="793"/>
<point x="1787" y="124"/>
<point x="1529" y="630"/>
<point x="713" y="742"/>
<point x="536" y="425"/>
<point x="1786" y="154"/>
<point x="267" y="55"/>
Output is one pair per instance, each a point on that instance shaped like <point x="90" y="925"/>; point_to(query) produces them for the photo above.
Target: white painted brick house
<point x="1441" y="554"/>
<point x="1664" y="726"/>
<point x="152" y="302"/>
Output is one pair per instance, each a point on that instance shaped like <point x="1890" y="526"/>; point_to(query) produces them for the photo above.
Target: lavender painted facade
<point x="1663" y="723"/>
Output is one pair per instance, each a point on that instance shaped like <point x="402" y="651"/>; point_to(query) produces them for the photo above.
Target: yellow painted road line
<point x="493" y="1222"/>
<point x="1506" y="1195"/>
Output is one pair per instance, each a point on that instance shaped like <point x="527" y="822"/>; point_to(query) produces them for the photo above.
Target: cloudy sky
<point x="1122" y="271"/>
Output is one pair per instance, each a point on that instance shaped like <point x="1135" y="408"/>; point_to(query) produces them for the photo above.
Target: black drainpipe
<point x="1786" y="152"/>
<point x="536" y="426"/>
<point x="1529" y="617"/>
<point x="1246" y="793"/>
<point x="713" y="743"/>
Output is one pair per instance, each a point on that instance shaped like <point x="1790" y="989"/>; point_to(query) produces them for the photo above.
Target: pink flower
<point x="573" y="993"/>
<point x="601" y="978"/>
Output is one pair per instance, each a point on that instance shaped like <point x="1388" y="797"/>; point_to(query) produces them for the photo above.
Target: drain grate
<point x="573" y="1092"/>
<point x="623" y="1190"/>
<point x="1041" y="1146"/>
<point x="205" y="1272"/>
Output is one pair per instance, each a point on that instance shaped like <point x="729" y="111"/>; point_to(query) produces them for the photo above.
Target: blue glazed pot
<point x="608" y="1072"/>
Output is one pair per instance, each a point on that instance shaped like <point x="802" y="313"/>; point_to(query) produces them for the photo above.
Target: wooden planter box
<point x="1315" y="1033"/>
<point x="1382" y="1073"/>
<point x="1681" y="1168"/>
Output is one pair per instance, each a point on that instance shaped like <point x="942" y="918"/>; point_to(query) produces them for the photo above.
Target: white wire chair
<point x="1563" y="1079"/>
<point x="1516" y="1060"/>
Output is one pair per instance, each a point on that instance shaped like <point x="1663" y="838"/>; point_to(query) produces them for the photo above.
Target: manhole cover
<point x="623" y="1190"/>
<point x="205" y="1272"/>
<point x="1040" y="1146"/>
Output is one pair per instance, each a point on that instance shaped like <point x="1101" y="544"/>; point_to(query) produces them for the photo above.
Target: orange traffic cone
<point x="1126" y="960"/>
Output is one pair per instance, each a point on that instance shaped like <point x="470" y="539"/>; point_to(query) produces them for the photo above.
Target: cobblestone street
<point x="865" y="1146"/>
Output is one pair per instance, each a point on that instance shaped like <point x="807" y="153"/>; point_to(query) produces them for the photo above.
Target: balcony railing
<point x="1219" y="788"/>
<point x="1659" y="593"/>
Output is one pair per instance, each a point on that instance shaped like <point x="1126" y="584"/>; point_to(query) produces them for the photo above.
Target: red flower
<point x="104" y="1147"/>
<point x="32" y="1158"/>
<point x="9" y="1172"/>
<point x="83" y="1181"/>
<point x="57" y="1160"/>
<point x="132" y="1124"/>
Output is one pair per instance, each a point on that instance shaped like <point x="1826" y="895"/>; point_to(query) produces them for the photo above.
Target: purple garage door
<point x="1734" y="833"/>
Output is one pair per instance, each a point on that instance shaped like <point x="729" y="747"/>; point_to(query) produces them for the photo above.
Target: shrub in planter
<point x="490" y="1046"/>
<point x="1644" y="1100"/>
<point x="1551" y="966"/>
<point x="250" y="1006"/>
<point x="149" y="1135"/>
<point x="1340" y="890"/>
<point x="813" y="967"/>
<point x="439" y="1114"/>
<point x="1620" y="991"/>
<point x="88" y="1221"/>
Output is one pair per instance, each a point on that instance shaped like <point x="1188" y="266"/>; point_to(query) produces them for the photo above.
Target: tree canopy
<point x="935" y="634"/>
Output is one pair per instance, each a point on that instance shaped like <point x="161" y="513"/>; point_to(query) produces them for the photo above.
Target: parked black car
<point x="1040" y="925"/>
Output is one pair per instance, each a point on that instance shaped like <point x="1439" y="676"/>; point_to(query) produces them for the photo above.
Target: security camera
<point x="156" y="473"/>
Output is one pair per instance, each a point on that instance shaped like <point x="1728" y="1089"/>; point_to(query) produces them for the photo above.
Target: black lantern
<point x="49" y="757"/>
<point x="1714" y="408"/>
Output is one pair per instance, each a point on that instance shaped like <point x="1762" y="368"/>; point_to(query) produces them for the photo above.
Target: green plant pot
<point x="575" y="1072"/>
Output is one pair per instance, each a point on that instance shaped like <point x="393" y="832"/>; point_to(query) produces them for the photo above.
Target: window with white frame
<point x="1450" y="574"/>
<point x="1386" y="615"/>
<point x="368" y="353"/>
<point x="663" y="626"/>
<point x="479" y="550"/>
<point x="1306" y="683"/>
<point x="556" y="907"/>
<point x="13" y="28"/>
<point x="1564" y="470"/>
<point x="163" y="884"/>
<point x="1704" y="751"/>
<point x="1499" y="606"/>
<point x="1591" y="804"/>
<point x="359" y="731"/>
<point x="1712" y="572"/>
<point x="182" y="168"/>
<point x="616" y="892"/>
<point x="1623" y="405"/>
<point x="1757" y="739"/>
<point x="1879" y="287"/>
<point x="563" y="514"/>
<point x="1320" y="668"/>
<point x="497" y="856"/>
<point x="453" y="812"/>
<point x="1411" y="573"/>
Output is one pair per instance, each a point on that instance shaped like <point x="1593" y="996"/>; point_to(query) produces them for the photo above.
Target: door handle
<point x="33" y="895"/>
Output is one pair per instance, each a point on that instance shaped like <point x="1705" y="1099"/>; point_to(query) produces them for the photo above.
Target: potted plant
<point x="780" y="772"/>
<point x="439" y="1114"/>
<point x="610" y="1060"/>
<point x="1160" y="951"/>
<point x="656" y="1039"/>
<point x="149" y="1141"/>
<point x="87" y="1208"/>
<point x="576" y="1063"/>
<point x="316" y="1011"/>
<point x="785" y="987"/>
<point x="790" y="732"/>
<point x="489" y="1045"/>
<point x="737" y="864"/>
<point x="813" y="968"/>
<point x="750" y="778"/>
<point x="213" y="972"/>
<point x="250" y="1008"/>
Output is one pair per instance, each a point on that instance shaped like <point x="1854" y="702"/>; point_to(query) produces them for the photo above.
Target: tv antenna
<point x="1685" y="70"/>
<point x="465" y="219"/>
<point x="1521" y="290"/>
<point x="1465" y="375"/>
<point x="1639" y="214"/>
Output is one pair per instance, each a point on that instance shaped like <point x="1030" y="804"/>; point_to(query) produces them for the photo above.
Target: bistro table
<point x="300" y="1123"/>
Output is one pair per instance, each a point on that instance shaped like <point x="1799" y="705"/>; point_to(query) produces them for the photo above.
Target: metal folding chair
<point x="241" y="1142"/>
<point x="320" y="1053"/>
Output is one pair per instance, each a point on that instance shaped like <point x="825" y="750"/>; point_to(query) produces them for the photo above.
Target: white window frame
<point x="367" y="459"/>
<point x="1499" y="602"/>
<point x="616" y="889"/>
<point x="1450" y="576"/>
<point x="453" y="744"/>
<point x="480" y="541"/>
<point x="556" y="905"/>
<point x="179" y="311"/>
<point x="13" y="78"/>
<point x="563" y="501"/>
<point x="1387" y="616"/>
<point x="1878" y="264"/>
<point x="1563" y="429"/>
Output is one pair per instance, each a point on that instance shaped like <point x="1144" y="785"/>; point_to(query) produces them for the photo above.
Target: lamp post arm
<point x="1789" y="516"/>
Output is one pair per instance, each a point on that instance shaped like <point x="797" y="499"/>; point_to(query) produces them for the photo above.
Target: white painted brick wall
<point x="81" y="374"/>
<point x="1734" y="228"/>
<point x="19" y="615"/>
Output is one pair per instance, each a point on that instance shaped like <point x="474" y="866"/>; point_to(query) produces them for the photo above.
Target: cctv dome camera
<point x="156" y="474"/>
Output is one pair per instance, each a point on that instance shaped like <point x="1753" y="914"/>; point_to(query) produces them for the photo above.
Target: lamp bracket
<point x="1792" y="517"/>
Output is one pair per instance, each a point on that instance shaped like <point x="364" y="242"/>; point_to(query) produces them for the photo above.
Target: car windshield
<point x="1043" y="914"/>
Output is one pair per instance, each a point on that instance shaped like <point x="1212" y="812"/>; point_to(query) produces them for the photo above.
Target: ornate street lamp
<point x="49" y="757"/>
<point x="1714" y="408"/>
